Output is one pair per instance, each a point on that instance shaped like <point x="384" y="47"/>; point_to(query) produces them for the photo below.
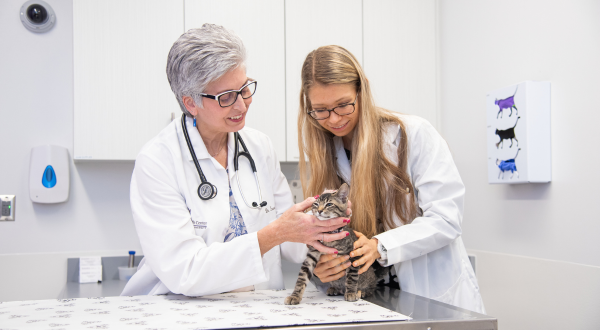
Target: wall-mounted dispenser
<point x="49" y="177"/>
<point x="518" y="133"/>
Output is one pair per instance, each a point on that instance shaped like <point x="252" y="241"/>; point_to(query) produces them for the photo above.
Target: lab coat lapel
<point x="196" y="141"/>
<point x="210" y="166"/>
<point x="343" y="163"/>
<point x="252" y="217"/>
<point x="391" y="136"/>
<point x="208" y="211"/>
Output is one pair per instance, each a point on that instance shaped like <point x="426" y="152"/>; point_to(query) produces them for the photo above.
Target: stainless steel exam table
<point x="426" y="314"/>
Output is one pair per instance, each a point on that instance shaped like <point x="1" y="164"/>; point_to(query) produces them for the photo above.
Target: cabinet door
<point x="122" y="97"/>
<point x="260" y="25"/>
<point x="310" y="24"/>
<point x="400" y="55"/>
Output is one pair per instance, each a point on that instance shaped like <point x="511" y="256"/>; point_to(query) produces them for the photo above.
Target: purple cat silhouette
<point x="507" y="103"/>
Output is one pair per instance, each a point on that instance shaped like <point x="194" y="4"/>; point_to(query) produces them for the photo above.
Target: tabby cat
<point x="353" y="286"/>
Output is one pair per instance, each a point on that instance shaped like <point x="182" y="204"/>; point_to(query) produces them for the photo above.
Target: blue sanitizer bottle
<point x="49" y="177"/>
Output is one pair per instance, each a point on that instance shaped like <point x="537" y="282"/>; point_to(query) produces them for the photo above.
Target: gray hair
<point x="201" y="56"/>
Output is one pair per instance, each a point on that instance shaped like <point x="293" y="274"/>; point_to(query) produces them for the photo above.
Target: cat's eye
<point x="328" y="204"/>
<point x="316" y="204"/>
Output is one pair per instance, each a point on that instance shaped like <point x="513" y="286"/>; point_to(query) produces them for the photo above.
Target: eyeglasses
<point x="340" y="110"/>
<point x="228" y="98"/>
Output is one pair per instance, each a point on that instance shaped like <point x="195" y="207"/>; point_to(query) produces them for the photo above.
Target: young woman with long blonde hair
<point x="406" y="192"/>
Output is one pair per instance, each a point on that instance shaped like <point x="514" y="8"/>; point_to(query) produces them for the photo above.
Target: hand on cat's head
<point x="313" y="199"/>
<point x="307" y="204"/>
<point x="296" y="226"/>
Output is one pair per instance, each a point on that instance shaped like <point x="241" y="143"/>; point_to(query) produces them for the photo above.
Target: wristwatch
<point x="383" y="253"/>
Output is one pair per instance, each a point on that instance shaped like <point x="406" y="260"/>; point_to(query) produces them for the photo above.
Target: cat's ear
<point x="343" y="192"/>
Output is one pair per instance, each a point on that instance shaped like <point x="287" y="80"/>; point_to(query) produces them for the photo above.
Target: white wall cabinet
<point x="310" y="24"/>
<point x="121" y="96"/>
<point x="260" y="24"/>
<point x="123" y="99"/>
<point x="400" y="55"/>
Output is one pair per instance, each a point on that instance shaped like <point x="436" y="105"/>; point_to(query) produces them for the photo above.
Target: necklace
<point x="218" y="152"/>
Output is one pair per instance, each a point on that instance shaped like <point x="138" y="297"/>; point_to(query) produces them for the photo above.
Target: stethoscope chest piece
<point x="207" y="191"/>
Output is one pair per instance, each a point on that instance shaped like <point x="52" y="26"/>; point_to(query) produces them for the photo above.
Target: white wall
<point x="534" y="242"/>
<point x="485" y="45"/>
<point x="531" y="293"/>
<point x="36" y="107"/>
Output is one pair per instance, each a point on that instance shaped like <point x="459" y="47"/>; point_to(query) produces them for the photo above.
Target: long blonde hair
<point x="379" y="188"/>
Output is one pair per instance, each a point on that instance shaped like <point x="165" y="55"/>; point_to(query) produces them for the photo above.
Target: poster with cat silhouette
<point x="518" y="133"/>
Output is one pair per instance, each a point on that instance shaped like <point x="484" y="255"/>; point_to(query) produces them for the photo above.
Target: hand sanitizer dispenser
<point x="49" y="177"/>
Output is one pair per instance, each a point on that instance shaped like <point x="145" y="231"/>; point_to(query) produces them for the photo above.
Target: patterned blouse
<point x="236" y="222"/>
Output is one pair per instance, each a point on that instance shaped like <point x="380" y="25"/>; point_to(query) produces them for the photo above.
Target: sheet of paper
<point x="262" y="308"/>
<point x="90" y="269"/>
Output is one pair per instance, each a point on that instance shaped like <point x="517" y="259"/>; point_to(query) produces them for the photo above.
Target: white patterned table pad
<point x="262" y="308"/>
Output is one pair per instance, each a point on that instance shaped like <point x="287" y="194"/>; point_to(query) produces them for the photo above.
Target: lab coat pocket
<point x="272" y="267"/>
<point x="449" y="297"/>
<point x="464" y="292"/>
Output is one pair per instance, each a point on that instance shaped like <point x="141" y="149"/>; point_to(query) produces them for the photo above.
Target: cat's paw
<point x="349" y="296"/>
<point x="331" y="291"/>
<point x="362" y="294"/>
<point x="291" y="300"/>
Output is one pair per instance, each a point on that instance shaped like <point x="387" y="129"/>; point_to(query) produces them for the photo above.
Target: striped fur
<point x="352" y="286"/>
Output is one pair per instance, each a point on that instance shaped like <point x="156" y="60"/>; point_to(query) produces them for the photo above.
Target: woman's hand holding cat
<point x="296" y="226"/>
<point x="331" y="267"/>
<point x="367" y="248"/>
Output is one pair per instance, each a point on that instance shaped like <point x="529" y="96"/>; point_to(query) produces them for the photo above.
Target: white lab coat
<point x="428" y="255"/>
<point x="182" y="235"/>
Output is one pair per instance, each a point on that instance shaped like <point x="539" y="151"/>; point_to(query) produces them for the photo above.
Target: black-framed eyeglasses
<point x="340" y="110"/>
<point x="228" y="98"/>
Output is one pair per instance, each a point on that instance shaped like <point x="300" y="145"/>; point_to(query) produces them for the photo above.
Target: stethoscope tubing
<point x="206" y="190"/>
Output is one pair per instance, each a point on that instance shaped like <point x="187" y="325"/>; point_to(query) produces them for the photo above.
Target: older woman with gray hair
<point x="204" y="227"/>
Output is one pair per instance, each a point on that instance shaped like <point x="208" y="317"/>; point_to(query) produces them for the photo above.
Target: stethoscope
<point x="207" y="190"/>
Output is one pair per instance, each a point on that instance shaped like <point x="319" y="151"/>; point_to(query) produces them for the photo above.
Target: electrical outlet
<point x="7" y="207"/>
<point x="296" y="188"/>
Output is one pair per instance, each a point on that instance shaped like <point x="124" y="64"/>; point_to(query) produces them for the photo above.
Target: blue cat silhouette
<point x="508" y="165"/>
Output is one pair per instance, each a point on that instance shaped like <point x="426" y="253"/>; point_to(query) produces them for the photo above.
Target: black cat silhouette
<point x="507" y="134"/>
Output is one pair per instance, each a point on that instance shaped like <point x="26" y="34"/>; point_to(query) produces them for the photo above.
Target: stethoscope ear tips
<point x="263" y="204"/>
<point x="254" y="204"/>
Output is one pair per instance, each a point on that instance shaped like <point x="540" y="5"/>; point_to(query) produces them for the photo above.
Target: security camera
<point x="37" y="16"/>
